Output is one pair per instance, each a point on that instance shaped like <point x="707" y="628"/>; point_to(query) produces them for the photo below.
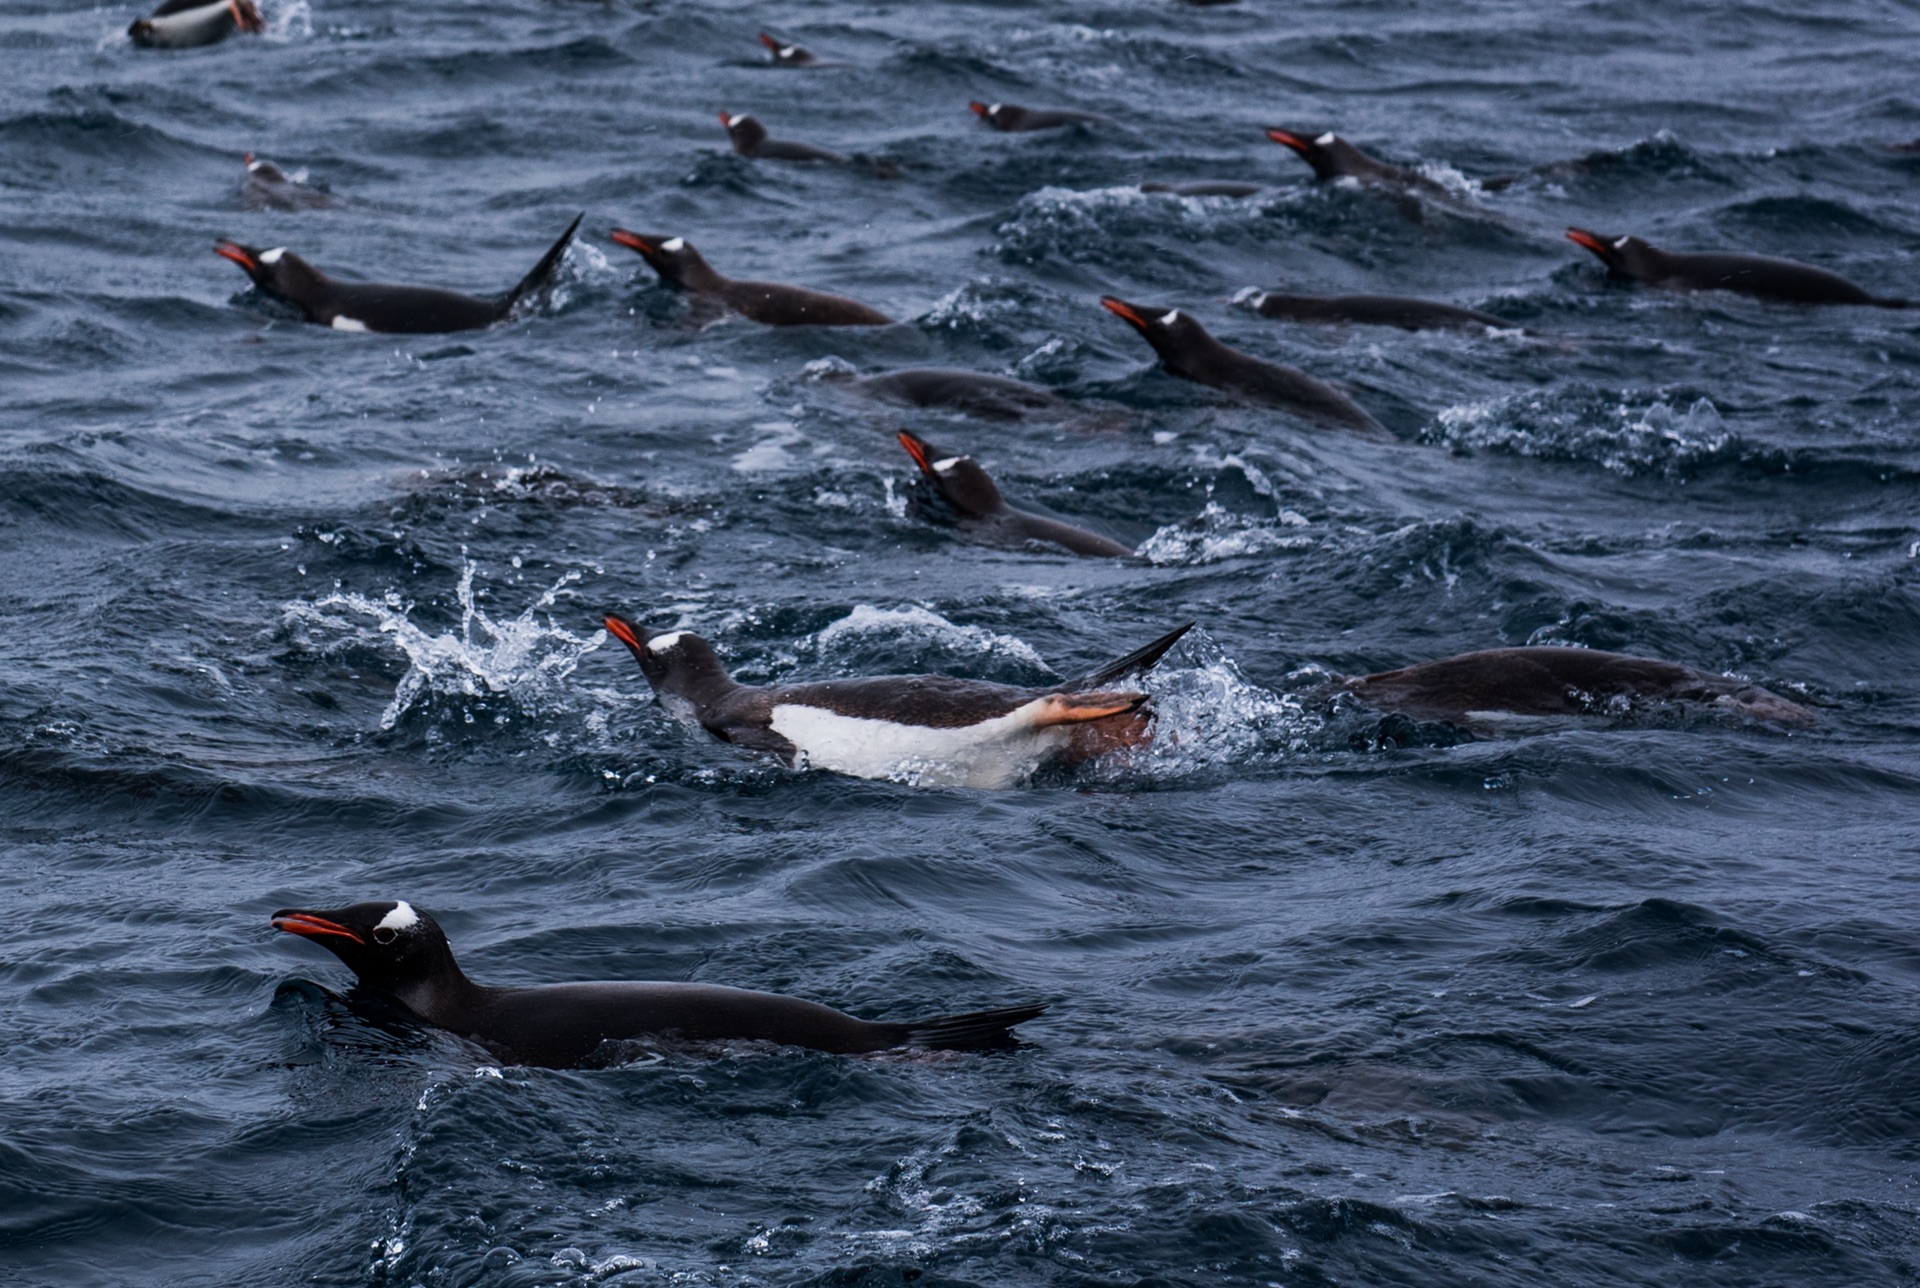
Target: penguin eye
<point x="385" y="934"/>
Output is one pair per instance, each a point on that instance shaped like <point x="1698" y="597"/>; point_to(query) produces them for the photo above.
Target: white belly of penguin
<point x="993" y="753"/>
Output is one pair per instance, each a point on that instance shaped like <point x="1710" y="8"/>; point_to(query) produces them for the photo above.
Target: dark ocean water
<point x="300" y="617"/>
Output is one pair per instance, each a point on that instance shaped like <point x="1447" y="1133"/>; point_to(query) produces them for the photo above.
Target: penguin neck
<point x="444" y="997"/>
<point x="698" y="275"/>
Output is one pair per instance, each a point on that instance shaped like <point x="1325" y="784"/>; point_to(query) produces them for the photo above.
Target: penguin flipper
<point x="1134" y="663"/>
<point x="536" y="279"/>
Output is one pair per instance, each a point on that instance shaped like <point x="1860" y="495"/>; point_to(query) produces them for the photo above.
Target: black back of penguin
<point x="400" y="950"/>
<point x="1191" y="352"/>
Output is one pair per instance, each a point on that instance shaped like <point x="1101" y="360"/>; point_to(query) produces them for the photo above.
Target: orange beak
<point x="305" y="923"/>
<point x="1581" y="237"/>
<point x="1290" y="139"/>
<point x="634" y="241"/>
<point x="726" y="119"/>
<point x="770" y="42"/>
<point x="917" y="450"/>
<point x="1124" y="310"/>
<point x="979" y="109"/>
<point x="622" y="629"/>
<point x="237" y="253"/>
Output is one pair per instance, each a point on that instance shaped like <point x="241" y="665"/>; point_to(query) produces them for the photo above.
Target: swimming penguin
<point x="1205" y="188"/>
<point x="985" y="515"/>
<point x="784" y="55"/>
<point x="932" y="730"/>
<point x="1758" y="275"/>
<point x="1011" y="118"/>
<point x="1469" y="689"/>
<point x="401" y="950"/>
<point x="1190" y="352"/>
<point x="376" y="306"/>
<point x="1368" y="310"/>
<point x="1332" y="157"/>
<point x="995" y="397"/>
<point x="267" y="187"/>
<point x="750" y="139"/>
<point x="775" y="304"/>
<point x="186" y="24"/>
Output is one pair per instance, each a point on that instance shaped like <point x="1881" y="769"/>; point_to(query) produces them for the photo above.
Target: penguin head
<point x="678" y="664"/>
<point x="278" y="272"/>
<point x="388" y="943"/>
<point x="674" y="258"/>
<point x="1250" y="297"/>
<point x="1629" y="256"/>
<point x="265" y="171"/>
<point x="745" y="130"/>
<point x="1001" y="116"/>
<point x="1329" y="154"/>
<point x="786" y="55"/>
<point x="1172" y="332"/>
<point x="959" y="479"/>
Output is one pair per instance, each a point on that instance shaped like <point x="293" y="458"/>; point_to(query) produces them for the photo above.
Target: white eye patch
<point x="1250" y="295"/>
<point x="941" y="467"/>
<point x="403" y="917"/>
<point x="1170" y="318"/>
<point x="1325" y="139"/>
<point x="787" y="51"/>
<point x="662" y="643"/>
<point x="272" y="256"/>
<point x="1622" y="243"/>
<point x="674" y="245"/>
<point x="993" y="109"/>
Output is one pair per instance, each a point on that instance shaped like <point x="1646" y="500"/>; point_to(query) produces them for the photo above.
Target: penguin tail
<point x="1137" y="662"/>
<point x="543" y="271"/>
<point x="1886" y="302"/>
<point x="974" y="1031"/>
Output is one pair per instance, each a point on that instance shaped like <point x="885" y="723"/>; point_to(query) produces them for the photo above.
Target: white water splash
<point x="923" y="623"/>
<point x="1217" y="533"/>
<point x="519" y="659"/>
<point x="1617" y="434"/>
<point x="1207" y="715"/>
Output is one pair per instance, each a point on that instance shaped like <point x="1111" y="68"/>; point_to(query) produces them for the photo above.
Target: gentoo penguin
<point x="1205" y="188"/>
<point x="932" y="730"/>
<point x="785" y="55"/>
<point x="1190" y="352"/>
<point x="185" y="24"/>
<point x="679" y="264"/>
<point x="1332" y="157"/>
<point x="401" y="951"/>
<point x="996" y="397"/>
<point x="267" y="187"/>
<point x="376" y="306"/>
<point x="1368" y="310"/>
<point x="1011" y="118"/>
<point x="750" y="139"/>
<point x="984" y="514"/>
<point x="1758" y="275"/>
<point x="1468" y="689"/>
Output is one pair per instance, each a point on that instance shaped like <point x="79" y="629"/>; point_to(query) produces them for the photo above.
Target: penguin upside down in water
<point x="378" y="306"/>
<point x="932" y="730"/>
<point x="400" y="950"/>
<point x="1473" y="690"/>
